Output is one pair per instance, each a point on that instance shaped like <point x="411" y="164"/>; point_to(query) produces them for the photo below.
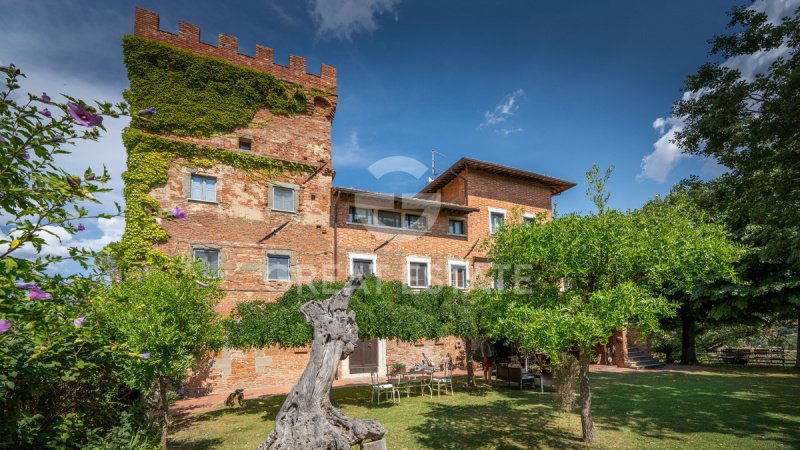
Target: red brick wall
<point x="188" y="38"/>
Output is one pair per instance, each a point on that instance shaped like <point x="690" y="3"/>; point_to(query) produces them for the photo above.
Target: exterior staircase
<point x="639" y="359"/>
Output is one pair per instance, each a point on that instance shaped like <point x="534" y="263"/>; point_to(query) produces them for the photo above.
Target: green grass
<point x="720" y="408"/>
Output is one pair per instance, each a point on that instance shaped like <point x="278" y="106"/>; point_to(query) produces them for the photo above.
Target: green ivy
<point x="198" y="95"/>
<point x="193" y="96"/>
<point x="149" y="158"/>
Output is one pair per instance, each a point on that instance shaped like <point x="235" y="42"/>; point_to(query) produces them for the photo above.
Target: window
<point x="245" y="144"/>
<point x="458" y="275"/>
<point x="363" y="266"/>
<point x="416" y="222"/>
<point x="389" y="219"/>
<point x="496" y="219"/>
<point x="278" y="267"/>
<point x="456" y="226"/>
<point x="528" y="219"/>
<point x="360" y="215"/>
<point x="203" y="189"/>
<point x="210" y="258"/>
<point x="418" y="273"/>
<point x="283" y="199"/>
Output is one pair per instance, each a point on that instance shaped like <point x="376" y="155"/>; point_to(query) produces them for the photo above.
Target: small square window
<point x="245" y="144"/>
<point x="458" y="276"/>
<point x="418" y="274"/>
<point x="203" y="188"/>
<point x="528" y="219"/>
<point x="278" y="267"/>
<point x="389" y="219"/>
<point x="360" y="215"/>
<point x="496" y="219"/>
<point x="283" y="199"/>
<point x="456" y="226"/>
<point x="209" y="258"/>
<point x="416" y="222"/>
<point x="364" y="266"/>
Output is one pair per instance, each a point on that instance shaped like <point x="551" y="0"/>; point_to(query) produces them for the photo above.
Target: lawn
<point x="718" y="408"/>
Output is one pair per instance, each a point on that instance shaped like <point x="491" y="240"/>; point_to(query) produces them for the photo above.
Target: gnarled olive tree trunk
<point x="307" y="420"/>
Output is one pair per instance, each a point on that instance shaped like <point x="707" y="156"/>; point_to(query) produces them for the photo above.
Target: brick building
<point x="300" y="228"/>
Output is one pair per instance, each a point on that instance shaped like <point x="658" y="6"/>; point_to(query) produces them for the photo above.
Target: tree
<point x="750" y="124"/>
<point x="571" y="282"/>
<point x="167" y="322"/>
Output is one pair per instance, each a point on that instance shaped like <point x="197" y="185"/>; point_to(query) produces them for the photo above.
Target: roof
<point x="556" y="185"/>
<point x="409" y="202"/>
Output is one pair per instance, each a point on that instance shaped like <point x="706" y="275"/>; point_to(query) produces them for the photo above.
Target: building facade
<point x="299" y="227"/>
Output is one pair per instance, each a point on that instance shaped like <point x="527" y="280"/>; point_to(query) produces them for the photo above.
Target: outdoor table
<point x="412" y="379"/>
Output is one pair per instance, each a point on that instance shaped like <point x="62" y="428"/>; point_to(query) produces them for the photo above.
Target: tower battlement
<point x="146" y="25"/>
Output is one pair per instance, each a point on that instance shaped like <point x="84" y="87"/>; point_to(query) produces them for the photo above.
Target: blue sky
<point x="551" y="87"/>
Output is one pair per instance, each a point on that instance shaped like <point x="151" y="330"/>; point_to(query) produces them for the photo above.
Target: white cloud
<point x="507" y="131"/>
<point x="58" y="241"/>
<point x="350" y="154"/>
<point x="666" y="155"/>
<point x="344" y="18"/>
<point x="503" y="110"/>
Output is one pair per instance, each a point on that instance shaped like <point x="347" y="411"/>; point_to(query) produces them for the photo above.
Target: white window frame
<point x="414" y="259"/>
<point x="364" y="256"/>
<point x="450" y="264"/>
<point x="218" y="270"/>
<point x="463" y="226"/>
<point x="496" y="211"/>
<point x="530" y="216"/>
<point x="192" y="176"/>
<point x="288" y="267"/>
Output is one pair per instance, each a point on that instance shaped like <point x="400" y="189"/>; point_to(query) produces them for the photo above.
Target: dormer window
<point x="245" y="144"/>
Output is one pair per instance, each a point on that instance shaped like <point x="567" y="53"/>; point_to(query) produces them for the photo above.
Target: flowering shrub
<point x="59" y="373"/>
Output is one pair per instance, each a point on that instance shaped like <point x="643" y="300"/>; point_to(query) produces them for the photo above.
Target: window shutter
<point x="197" y="189"/>
<point x="270" y="197"/>
<point x="211" y="190"/>
<point x="296" y="199"/>
<point x="187" y="185"/>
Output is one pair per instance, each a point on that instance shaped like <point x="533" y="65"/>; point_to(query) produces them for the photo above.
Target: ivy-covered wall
<point x="197" y="95"/>
<point x="193" y="96"/>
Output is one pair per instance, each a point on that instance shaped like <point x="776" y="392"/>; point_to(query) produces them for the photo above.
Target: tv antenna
<point x="433" y="164"/>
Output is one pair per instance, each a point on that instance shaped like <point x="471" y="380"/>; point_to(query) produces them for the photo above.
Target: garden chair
<point x="378" y="387"/>
<point x="446" y="380"/>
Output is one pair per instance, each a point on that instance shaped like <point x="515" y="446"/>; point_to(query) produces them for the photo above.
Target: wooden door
<point x="364" y="358"/>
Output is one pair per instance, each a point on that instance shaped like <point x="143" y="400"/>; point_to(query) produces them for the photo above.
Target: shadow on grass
<point x="656" y="405"/>
<point x="522" y="420"/>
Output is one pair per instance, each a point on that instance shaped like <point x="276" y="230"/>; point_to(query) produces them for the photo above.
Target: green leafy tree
<point x="571" y="282"/>
<point x="59" y="374"/>
<point x="750" y="123"/>
<point x="168" y="323"/>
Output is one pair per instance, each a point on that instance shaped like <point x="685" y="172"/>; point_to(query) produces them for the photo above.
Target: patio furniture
<point x="516" y="376"/>
<point x="446" y="380"/>
<point x="379" y="387"/>
<point x="413" y="379"/>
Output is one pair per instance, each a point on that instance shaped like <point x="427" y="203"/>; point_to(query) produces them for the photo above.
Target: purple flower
<point x="26" y="286"/>
<point x="90" y="177"/>
<point x="147" y="112"/>
<point x="201" y="284"/>
<point x="38" y="294"/>
<point x="81" y="227"/>
<point x="74" y="181"/>
<point x="83" y="116"/>
<point x="118" y="279"/>
<point x="25" y="155"/>
<point x="4" y="325"/>
<point x="46" y="112"/>
<point x="178" y="213"/>
<point x="144" y="355"/>
<point x="79" y="321"/>
<point x="45" y="98"/>
<point x="57" y="138"/>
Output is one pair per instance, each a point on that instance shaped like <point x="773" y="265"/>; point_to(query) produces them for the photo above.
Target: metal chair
<point x="379" y="387"/>
<point x="446" y="380"/>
